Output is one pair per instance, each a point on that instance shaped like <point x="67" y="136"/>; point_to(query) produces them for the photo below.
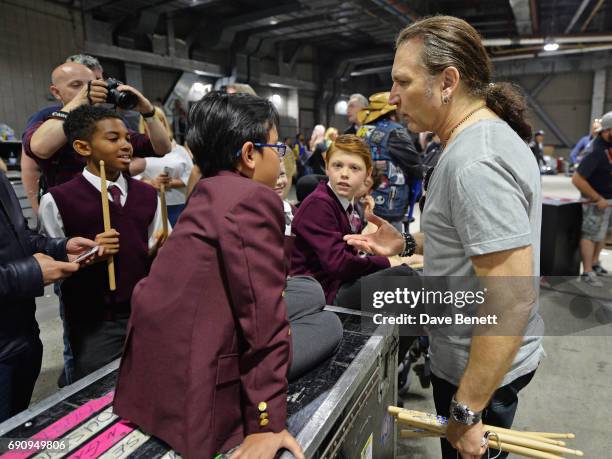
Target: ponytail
<point x="507" y="101"/>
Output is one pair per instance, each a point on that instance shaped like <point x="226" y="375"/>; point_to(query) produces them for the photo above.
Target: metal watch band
<point x="409" y="245"/>
<point x="463" y="414"/>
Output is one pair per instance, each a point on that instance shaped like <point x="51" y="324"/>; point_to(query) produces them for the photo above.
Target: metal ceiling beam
<point x="543" y="55"/>
<point x="285" y="82"/>
<point x="535" y="23"/>
<point x="523" y="41"/>
<point x="553" y="65"/>
<point x="548" y="121"/>
<point x="390" y="6"/>
<point x="151" y="59"/>
<point x="530" y="64"/>
<point x="592" y="15"/>
<point x="599" y="93"/>
<point x="537" y="89"/>
<point x="247" y="21"/>
<point x="522" y="16"/>
<point x="579" y="12"/>
<point x="89" y="5"/>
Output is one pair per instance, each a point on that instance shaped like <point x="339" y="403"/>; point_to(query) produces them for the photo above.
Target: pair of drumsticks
<point x="107" y="224"/>
<point x="540" y="445"/>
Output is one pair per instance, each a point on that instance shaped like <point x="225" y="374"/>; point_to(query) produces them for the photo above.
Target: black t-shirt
<point x="596" y="167"/>
<point x="404" y="153"/>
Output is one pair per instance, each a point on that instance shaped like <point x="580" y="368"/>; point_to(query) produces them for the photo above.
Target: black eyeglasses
<point x="281" y="148"/>
<point x="426" y="179"/>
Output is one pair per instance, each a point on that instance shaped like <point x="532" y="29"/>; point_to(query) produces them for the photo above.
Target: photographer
<point x="74" y="85"/>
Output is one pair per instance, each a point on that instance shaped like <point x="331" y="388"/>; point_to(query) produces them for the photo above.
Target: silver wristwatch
<point x="463" y="414"/>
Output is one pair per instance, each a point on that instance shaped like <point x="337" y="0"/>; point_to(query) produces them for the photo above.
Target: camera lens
<point x="122" y="99"/>
<point x="126" y="100"/>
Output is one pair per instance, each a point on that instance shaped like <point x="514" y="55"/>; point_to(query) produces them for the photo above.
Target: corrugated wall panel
<point x="35" y="37"/>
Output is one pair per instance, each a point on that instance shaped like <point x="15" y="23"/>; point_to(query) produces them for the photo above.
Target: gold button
<point x="283" y="294"/>
<point x="263" y="406"/>
<point x="263" y="422"/>
<point x="289" y="332"/>
<point x="263" y="416"/>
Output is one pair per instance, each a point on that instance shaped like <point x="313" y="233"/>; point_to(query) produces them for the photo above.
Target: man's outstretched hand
<point x="386" y="241"/>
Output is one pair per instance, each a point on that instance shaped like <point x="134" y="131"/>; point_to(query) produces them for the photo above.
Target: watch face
<point x="459" y="415"/>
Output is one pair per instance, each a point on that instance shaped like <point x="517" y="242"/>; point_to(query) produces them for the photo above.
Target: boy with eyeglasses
<point x="209" y="344"/>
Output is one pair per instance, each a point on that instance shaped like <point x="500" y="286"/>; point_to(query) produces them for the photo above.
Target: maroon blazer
<point x="319" y="250"/>
<point x="208" y="344"/>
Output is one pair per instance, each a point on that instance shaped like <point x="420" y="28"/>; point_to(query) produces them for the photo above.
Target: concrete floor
<point x="571" y="391"/>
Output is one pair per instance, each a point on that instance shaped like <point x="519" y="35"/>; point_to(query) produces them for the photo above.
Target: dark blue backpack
<point x="392" y="197"/>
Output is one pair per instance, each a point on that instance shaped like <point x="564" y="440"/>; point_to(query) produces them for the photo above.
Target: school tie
<point x="115" y="193"/>
<point x="353" y="218"/>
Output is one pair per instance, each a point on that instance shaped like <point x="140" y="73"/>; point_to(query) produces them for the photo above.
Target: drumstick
<point x="535" y="444"/>
<point x="107" y="226"/>
<point x="523" y="451"/>
<point x="164" y="209"/>
<point x="546" y="437"/>
<point x="522" y="433"/>
<point x="437" y="425"/>
<point x="552" y="434"/>
<point x="405" y="433"/>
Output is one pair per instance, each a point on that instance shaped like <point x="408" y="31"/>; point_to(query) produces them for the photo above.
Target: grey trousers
<point x="315" y="333"/>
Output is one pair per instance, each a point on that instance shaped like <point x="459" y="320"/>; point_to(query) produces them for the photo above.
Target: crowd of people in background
<point x="221" y="170"/>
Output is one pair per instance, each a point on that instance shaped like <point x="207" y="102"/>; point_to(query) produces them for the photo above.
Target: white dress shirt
<point x="51" y="221"/>
<point x="345" y="202"/>
<point x="179" y="164"/>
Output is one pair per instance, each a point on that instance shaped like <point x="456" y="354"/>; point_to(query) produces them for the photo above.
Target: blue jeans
<point x="174" y="213"/>
<point x="500" y="411"/>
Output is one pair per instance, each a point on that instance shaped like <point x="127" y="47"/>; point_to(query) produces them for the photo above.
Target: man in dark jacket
<point x="27" y="264"/>
<point x="394" y="154"/>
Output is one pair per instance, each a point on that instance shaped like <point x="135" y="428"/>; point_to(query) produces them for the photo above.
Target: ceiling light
<point x="198" y="90"/>
<point x="273" y="22"/>
<point x="276" y="100"/>
<point x="551" y="46"/>
<point x="340" y="107"/>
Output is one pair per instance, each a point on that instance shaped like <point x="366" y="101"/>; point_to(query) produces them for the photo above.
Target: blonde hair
<point x="241" y="88"/>
<point x="330" y="131"/>
<point x="353" y="145"/>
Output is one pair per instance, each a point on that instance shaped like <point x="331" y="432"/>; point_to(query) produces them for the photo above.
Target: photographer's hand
<point x="50" y="137"/>
<point x="157" y="132"/>
<point x="144" y="105"/>
<point x="93" y="93"/>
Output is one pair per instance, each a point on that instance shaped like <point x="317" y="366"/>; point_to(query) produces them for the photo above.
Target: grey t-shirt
<point x="484" y="196"/>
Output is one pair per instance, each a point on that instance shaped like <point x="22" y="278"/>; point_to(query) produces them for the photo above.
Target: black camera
<point x="123" y="99"/>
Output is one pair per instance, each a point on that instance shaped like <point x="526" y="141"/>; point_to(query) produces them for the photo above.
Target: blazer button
<point x="263" y="406"/>
<point x="264" y="422"/>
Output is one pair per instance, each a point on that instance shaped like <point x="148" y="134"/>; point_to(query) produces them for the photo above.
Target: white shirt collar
<point x="343" y="201"/>
<point x="96" y="182"/>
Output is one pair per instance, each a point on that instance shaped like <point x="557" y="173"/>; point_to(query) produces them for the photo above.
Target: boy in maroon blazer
<point x="209" y="346"/>
<point x="327" y="214"/>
